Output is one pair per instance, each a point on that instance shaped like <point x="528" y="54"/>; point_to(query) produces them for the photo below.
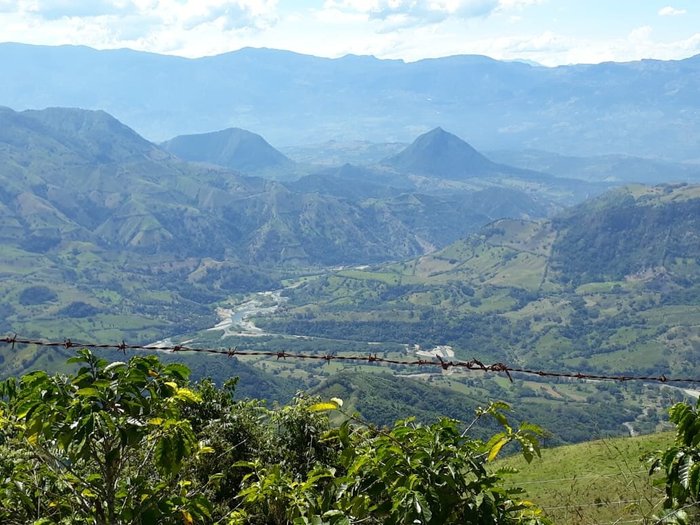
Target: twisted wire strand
<point x="439" y="362"/>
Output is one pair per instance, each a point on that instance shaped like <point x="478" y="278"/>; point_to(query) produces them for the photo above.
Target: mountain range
<point x="82" y="176"/>
<point x="647" y="108"/>
<point x="100" y="226"/>
<point x="110" y="236"/>
<point x="616" y="169"/>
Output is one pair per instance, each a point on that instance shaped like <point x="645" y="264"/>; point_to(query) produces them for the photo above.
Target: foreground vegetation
<point x="133" y="442"/>
<point x="136" y="443"/>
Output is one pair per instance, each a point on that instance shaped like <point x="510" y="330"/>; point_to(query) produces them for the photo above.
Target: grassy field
<point x="604" y="481"/>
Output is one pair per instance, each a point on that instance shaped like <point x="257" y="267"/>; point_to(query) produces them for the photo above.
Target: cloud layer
<point x="538" y="30"/>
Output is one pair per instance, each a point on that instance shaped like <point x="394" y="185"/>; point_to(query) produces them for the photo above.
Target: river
<point x="235" y="320"/>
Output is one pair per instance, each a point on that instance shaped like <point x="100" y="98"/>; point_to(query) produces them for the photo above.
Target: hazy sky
<point x="550" y="32"/>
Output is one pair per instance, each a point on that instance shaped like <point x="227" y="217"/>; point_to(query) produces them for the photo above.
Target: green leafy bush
<point x="104" y="446"/>
<point x="681" y="466"/>
<point x="134" y="443"/>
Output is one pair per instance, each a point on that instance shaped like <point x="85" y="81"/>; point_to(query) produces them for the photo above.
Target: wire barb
<point x="12" y="340"/>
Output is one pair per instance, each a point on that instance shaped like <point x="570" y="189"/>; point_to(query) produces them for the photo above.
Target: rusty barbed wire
<point x="472" y="365"/>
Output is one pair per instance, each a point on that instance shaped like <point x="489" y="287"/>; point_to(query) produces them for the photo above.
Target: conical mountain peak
<point x="439" y="153"/>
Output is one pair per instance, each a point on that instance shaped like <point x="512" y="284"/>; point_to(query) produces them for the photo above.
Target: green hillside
<point x="636" y="232"/>
<point x="567" y="411"/>
<point x="506" y="294"/>
<point x="122" y="193"/>
<point x="105" y="236"/>
<point x="595" y="482"/>
<point x="532" y="292"/>
<point x="105" y="233"/>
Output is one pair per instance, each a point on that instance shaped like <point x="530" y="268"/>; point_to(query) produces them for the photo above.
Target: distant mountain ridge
<point x="611" y="168"/>
<point x="635" y="108"/>
<point x="441" y="163"/>
<point x="72" y="175"/>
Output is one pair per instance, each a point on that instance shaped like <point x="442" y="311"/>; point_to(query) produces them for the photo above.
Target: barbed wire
<point x="600" y="504"/>
<point x="473" y="365"/>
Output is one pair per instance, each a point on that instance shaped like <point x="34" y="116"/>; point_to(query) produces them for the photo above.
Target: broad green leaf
<point x="88" y="493"/>
<point x="24" y="409"/>
<point x="178" y="370"/>
<point x="185" y="394"/>
<point x="496" y="448"/>
<point x="89" y="391"/>
<point x="204" y="449"/>
<point x="323" y="407"/>
<point x="684" y="471"/>
<point x="187" y="517"/>
<point x="114" y="366"/>
<point x="422" y="506"/>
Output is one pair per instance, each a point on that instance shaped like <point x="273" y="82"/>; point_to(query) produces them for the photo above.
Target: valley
<point x="506" y="294"/>
<point x="405" y="257"/>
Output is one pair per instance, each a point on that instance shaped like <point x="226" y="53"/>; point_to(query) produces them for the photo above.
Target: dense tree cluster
<point x="135" y="443"/>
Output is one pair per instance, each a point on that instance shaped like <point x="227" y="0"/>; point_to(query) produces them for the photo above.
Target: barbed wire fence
<point x="473" y="365"/>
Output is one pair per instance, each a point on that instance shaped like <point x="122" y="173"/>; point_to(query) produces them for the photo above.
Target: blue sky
<point x="550" y="32"/>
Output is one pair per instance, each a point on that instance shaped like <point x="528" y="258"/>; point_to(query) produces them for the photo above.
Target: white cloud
<point x="548" y="42"/>
<point x="227" y="14"/>
<point x="518" y="4"/>
<point x="183" y="27"/>
<point x="640" y="35"/>
<point x="671" y="11"/>
<point x="403" y="13"/>
<point x="387" y="16"/>
<point x="55" y="9"/>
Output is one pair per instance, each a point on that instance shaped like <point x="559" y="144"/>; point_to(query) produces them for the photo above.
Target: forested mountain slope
<point x="610" y="285"/>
